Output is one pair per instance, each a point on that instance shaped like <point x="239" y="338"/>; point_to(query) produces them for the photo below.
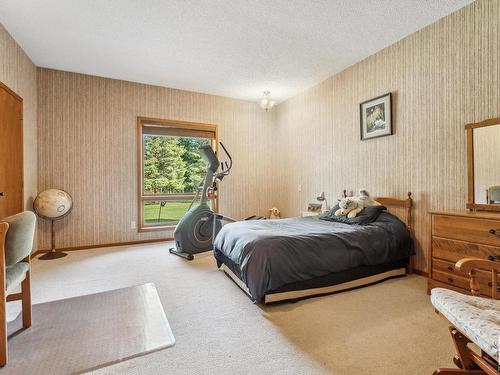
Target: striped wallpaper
<point x="441" y="77"/>
<point x="19" y="74"/>
<point x="87" y="146"/>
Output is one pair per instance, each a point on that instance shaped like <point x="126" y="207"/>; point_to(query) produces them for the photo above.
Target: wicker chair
<point x="475" y="319"/>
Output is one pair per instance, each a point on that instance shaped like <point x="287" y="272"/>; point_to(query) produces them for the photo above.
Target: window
<point x="170" y="169"/>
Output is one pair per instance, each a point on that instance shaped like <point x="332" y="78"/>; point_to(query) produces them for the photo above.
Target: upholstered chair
<point x="16" y="242"/>
<point x="473" y="319"/>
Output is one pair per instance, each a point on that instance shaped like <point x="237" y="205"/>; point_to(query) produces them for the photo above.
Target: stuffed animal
<point x="351" y="206"/>
<point x="274" y="213"/>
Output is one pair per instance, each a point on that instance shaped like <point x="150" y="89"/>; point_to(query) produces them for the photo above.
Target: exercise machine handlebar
<point x="224" y="171"/>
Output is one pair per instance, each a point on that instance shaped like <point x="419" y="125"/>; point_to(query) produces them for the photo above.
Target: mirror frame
<point x="469" y="128"/>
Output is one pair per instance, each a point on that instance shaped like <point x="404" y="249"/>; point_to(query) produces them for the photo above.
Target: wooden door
<point x="11" y="152"/>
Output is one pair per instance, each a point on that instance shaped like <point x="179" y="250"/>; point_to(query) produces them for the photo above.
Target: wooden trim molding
<point x="469" y="129"/>
<point x="483" y="207"/>
<point x="165" y="197"/>
<point x="177" y="124"/>
<point x="170" y="124"/>
<point x="421" y="273"/>
<point x="470" y="165"/>
<point x="481" y="124"/>
<point x="17" y="154"/>
<point x="10" y="91"/>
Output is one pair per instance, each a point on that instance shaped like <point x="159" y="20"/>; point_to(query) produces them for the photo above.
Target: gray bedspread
<point x="271" y="253"/>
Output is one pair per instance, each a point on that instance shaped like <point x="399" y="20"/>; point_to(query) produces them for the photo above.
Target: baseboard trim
<point x="128" y="243"/>
<point x="421" y="273"/>
<point x="114" y="244"/>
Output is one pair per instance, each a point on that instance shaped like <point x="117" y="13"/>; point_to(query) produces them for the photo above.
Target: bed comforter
<point x="271" y="253"/>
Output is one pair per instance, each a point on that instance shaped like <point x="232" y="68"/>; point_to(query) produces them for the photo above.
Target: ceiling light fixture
<point x="266" y="103"/>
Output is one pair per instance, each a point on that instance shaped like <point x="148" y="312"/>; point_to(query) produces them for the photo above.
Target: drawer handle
<point x="494" y="258"/>
<point x="450" y="279"/>
<point x="495" y="232"/>
<point x="451" y="268"/>
<point x="490" y="285"/>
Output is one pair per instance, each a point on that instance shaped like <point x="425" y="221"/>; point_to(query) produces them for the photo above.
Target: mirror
<point x="487" y="165"/>
<point x="483" y="158"/>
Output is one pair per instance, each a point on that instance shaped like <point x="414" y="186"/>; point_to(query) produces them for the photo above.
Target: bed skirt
<point x="328" y="284"/>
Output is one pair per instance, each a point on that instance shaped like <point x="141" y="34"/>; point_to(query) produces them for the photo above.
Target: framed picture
<point x="376" y="117"/>
<point x="314" y="207"/>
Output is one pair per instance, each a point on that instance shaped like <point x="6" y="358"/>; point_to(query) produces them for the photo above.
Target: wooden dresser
<point x="460" y="234"/>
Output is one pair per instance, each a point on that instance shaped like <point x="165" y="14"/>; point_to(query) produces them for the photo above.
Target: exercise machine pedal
<point x="181" y="254"/>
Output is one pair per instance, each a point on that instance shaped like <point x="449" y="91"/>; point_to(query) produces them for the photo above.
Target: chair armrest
<point x="466" y="265"/>
<point x="469" y="265"/>
<point x="4" y="227"/>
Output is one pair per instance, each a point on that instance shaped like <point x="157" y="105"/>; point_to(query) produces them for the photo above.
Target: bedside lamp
<point x="321" y="198"/>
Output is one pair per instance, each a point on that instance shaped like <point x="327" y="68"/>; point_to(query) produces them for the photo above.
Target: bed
<point x="296" y="258"/>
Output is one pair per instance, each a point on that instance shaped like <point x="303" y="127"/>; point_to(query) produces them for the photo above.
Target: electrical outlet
<point x="300" y="188"/>
<point x="133" y="225"/>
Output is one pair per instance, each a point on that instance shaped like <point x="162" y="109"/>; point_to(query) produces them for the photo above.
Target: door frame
<point x="20" y="99"/>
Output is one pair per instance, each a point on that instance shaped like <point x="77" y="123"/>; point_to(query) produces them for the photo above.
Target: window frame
<point x="141" y="196"/>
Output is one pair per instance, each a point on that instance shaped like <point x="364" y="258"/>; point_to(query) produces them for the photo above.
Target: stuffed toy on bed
<point x="274" y="213"/>
<point x="351" y="206"/>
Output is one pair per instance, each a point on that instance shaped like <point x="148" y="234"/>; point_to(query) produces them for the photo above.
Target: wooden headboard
<point x="401" y="208"/>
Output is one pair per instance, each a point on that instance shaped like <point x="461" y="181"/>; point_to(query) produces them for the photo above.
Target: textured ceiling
<point x="235" y="48"/>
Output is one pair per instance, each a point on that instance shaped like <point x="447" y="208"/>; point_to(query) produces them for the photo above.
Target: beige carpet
<point x="113" y="326"/>
<point x="389" y="328"/>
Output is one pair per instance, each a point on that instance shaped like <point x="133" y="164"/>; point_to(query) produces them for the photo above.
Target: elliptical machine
<point x="198" y="227"/>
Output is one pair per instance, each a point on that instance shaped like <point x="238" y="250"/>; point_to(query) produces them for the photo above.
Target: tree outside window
<point x="172" y="172"/>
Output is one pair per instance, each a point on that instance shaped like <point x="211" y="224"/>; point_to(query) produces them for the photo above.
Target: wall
<point x="19" y="74"/>
<point x="87" y="146"/>
<point x="442" y="77"/>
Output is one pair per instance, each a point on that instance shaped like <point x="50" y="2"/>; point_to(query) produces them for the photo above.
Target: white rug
<point x="75" y="335"/>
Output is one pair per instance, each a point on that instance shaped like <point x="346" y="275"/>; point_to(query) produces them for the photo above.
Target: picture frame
<point x="314" y="207"/>
<point x="376" y="117"/>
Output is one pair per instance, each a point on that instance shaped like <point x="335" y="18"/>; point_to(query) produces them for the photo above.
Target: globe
<point x="53" y="204"/>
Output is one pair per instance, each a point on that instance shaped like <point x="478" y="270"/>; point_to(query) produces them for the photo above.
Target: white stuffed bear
<point x="351" y="206"/>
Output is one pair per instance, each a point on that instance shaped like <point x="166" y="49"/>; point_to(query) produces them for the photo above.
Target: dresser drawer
<point x="444" y="266"/>
<point x="451" y="279"/>
<point x="453" y="251"/>
<point x="466" y="229"/>
<point x="445" y="271"/>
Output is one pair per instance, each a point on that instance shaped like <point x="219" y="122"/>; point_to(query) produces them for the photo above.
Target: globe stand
<point x="52" y="254"/>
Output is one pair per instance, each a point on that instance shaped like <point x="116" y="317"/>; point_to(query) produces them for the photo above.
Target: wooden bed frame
<point x="400" y="208"/>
